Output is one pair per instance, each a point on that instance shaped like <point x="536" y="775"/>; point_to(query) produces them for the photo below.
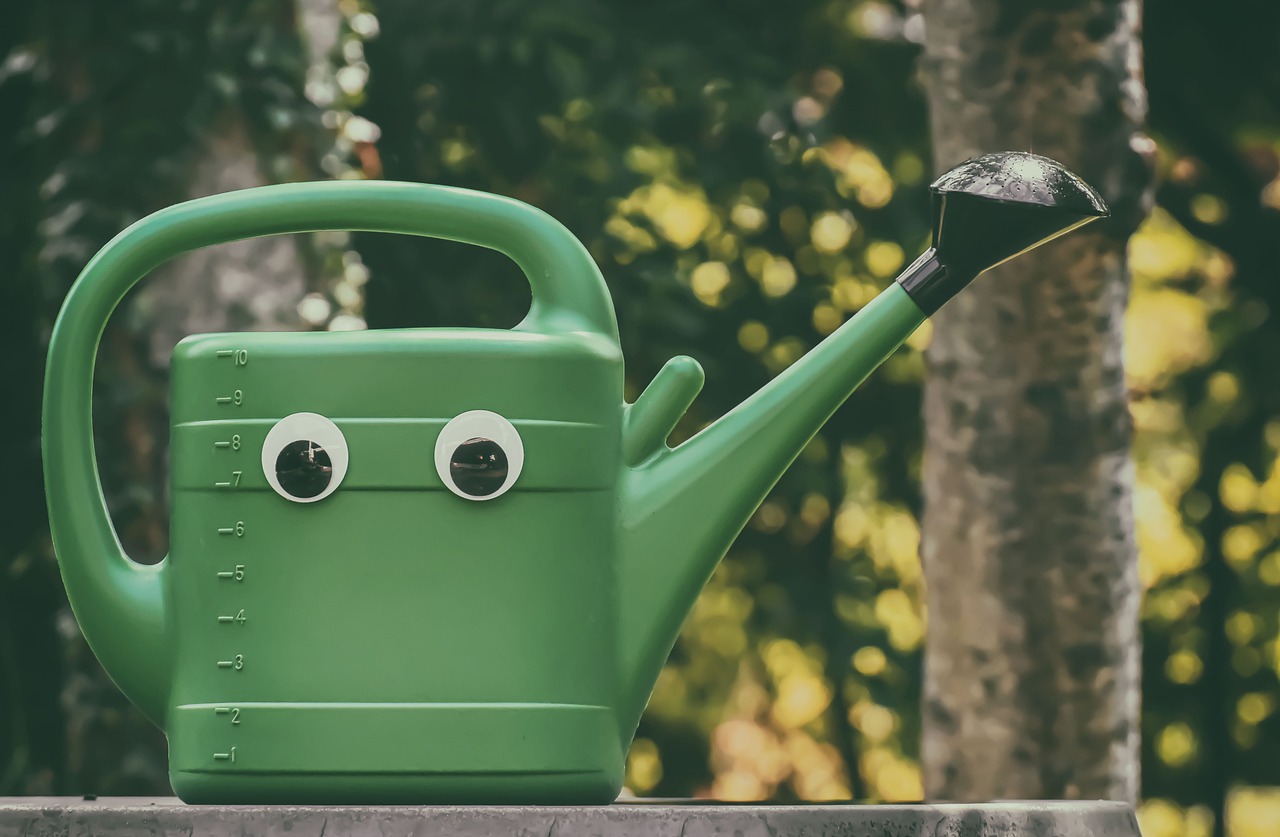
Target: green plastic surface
<point x="394" y="642"/>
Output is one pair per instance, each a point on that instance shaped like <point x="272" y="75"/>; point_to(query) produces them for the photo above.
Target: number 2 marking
<point x="233" y="711"/>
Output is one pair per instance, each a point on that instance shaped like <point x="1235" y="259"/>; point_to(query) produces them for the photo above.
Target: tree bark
<point x="249" y="285"/>
<point x="111" y="749"/>
<point x="1032" y="663"/>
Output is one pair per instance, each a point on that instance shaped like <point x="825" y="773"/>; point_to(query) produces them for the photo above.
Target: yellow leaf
<point x="831" y="231"/>
<point x="1176" y="744"/>
<point x="708" y="280"/>
<point x="869" y="661"/>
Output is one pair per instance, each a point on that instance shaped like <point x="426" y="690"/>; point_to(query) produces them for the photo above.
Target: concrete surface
<point x="166" y="817"/>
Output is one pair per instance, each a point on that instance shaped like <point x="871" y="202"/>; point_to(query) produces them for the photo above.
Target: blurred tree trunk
<point x="1032" y="655"/>
<point x="115" y="111"/>
<point x="250" y="285"/>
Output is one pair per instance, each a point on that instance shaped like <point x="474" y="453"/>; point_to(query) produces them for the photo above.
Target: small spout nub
<point x="990" y="209"/>
<point x="651" y="419"/>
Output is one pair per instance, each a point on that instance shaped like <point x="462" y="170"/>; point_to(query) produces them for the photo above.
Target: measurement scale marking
<point x="226" y="619"/>
<point x="226" y="484"/>
<point x="226" y="574"/>
<point x="222" y="756"/>
<point x="225" y="663"/>
<point x="222" y="444"/>
<point x="226" y="530"/>
<point x="223" y="399"/>
<point x="222" y="710"/>
<point x="225" y="352"/>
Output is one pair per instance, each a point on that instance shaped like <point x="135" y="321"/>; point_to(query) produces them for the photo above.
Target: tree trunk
<point x="249" y="285"/>
<point x="1032" y="655"/>
<point x="233" y="112"/>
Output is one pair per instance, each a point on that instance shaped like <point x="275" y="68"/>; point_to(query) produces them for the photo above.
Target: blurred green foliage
<point x="746" y="178"/>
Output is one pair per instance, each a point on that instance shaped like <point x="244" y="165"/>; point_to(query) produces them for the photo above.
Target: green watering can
<point x="443" y="565"/>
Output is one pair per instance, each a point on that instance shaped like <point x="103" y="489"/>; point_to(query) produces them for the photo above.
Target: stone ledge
<point x="166" y="817"/>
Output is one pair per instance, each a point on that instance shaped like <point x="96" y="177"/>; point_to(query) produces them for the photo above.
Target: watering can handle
<point x="120" y="604"/>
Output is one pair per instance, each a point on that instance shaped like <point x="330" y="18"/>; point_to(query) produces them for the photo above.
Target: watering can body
<point x="393" y="635"/>
<point x="426" y="565"/>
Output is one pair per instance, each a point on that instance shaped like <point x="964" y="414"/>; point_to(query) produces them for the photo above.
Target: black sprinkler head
<point x="990" y="209"/>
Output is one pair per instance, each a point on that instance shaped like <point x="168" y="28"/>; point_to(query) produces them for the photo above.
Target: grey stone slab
<point x="164" y="817"/>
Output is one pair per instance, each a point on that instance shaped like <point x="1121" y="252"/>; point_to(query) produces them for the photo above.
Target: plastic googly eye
<point x="479" y="455"/>
<point x="304" y="457"/>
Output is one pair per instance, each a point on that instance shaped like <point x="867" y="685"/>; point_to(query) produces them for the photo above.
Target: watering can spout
<point x="683" y="507"/>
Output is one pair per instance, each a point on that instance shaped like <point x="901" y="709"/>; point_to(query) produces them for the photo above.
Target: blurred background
<point x="747" y="175"/>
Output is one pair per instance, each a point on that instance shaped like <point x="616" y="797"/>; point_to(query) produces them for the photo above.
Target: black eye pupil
<point x="304" y="469"/>
<point x="478" y="467"/>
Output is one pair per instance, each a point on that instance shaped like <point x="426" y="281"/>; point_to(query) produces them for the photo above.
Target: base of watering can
<point x="394" y="753"/>
<point x="53" y="817"/>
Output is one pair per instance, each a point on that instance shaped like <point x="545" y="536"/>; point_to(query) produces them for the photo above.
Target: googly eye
<point x="479" y="455"/>
<point x="304" y="457"/>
